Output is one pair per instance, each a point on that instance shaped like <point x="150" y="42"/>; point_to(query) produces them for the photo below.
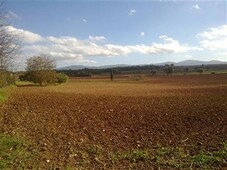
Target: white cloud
<point x="214" y="44"/>
<point x="116" y="50"/>
<point x="73" y="49"/>
<point x="142" y="34"/>
<point x="25" y="36"/>
<point x="97" y="38"/>
<point x="64" y="40"/>
<point x="168" y="46"/>
<point x="214" y="38"/>
<point x="84" y="20"/>
<point x="214" y="33"/>
<point x="196" y="6"/>
<point x="172" y="46"/>
<point x="132" y="12"/>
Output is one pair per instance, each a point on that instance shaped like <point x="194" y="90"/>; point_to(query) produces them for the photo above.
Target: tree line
<point x="167" y="69"/>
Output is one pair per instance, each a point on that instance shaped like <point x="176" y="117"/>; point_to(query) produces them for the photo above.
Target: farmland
<point x="156" y="121"/>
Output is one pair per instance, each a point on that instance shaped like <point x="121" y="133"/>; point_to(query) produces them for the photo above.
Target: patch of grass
<point x="93" y="150"/>
<point x="24" y="83"/>
<point x="161" y="151"/>
<point x="204" y="159"/>
<point x="14" y="152"/>
<point x="87" y="155"/>
<point x="222" y="153"/>
<point x="132" y="156"/>
<point x="209" y="159"/>
<point x="173" y="157"/>
<point x="4" y="93"/>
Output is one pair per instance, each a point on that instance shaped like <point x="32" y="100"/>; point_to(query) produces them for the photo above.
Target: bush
<point x="61" y="78"/>
<point x="137" y="77"/>
<point x="200" y="70"/>
<point x="44" y="77"/>
<point x="40" y="77"/>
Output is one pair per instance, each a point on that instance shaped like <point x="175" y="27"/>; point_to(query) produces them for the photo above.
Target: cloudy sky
<point x="115" y="32"/>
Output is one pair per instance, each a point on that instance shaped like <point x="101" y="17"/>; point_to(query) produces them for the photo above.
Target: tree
<point x="40" y="70"/>
<point x="9" y="46"/>
<point x="169" y="69"/>
<point x="9" y="42"/>
<point x="40" y="63"/>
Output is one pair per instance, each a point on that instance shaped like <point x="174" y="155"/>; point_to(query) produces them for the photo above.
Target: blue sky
<point x="114" y="32"/>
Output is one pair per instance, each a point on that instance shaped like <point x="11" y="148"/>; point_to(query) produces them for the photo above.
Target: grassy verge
<point x="24" y="83"/>
<point x="15" y="153"/>
<point x="5" y="92"/>
<point x="166" y="157"/>
<point x="177" y="157"/>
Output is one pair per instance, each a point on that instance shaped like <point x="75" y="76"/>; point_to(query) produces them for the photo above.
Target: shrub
<point x="200" y="70"/>
<point x="39" y="77"/>
<point x="61" y="78"/>
<point x="44" y="77"/>
<point x="137" y="77"/>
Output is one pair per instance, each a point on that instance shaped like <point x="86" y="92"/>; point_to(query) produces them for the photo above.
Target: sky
<point x="96" y="33"/>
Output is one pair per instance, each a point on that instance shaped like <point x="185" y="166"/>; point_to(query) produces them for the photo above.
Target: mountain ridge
<point x="181" y="63"/>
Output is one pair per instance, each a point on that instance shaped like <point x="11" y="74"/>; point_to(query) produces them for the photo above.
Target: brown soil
<point x="59" y="122"/>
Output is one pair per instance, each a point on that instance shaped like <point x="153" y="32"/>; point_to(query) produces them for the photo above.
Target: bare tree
<point x="9" y="42"/>
<point x="9" y="47"/>
<point x="42" y="62"/>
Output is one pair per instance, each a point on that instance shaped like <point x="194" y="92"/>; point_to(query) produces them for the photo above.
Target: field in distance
<point x="143" y="122"/>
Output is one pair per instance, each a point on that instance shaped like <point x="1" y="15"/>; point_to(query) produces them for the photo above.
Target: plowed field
<point x="122" y="124"/>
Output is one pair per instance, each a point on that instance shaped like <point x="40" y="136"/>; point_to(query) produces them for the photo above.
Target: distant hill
<point x="73" y="67"/>
<point x="80" y="67"/>
<point x="196" y="62"/>
<point x="193" y="63"/>
<point x="181" y="63"/>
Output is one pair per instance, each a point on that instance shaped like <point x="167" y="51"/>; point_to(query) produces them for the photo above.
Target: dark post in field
<point x="111" y="75"/>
